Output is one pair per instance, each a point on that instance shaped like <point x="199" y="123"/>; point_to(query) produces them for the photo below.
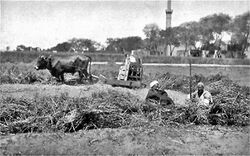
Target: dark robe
<point x="159" y="96"/>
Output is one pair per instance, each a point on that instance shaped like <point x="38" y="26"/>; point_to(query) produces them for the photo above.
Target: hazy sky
<point x="46" y="23"/>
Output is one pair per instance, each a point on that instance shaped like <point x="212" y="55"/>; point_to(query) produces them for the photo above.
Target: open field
<point x="28" y="57"/>
<point x="143" y="134"/>
<point x="237" y="74"/>
<point x="15" y="73"/>
<point x="40" y="116"/>
<point x="147" y="140"/>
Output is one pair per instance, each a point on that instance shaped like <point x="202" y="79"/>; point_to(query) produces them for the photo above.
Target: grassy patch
<point x="28" y="57"/>
<point x="22" y="74"/>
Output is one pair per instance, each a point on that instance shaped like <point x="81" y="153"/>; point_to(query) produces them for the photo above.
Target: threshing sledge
<point x="130" y="74"/>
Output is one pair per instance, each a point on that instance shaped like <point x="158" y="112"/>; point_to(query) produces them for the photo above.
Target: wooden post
<point x="190" y="79"/>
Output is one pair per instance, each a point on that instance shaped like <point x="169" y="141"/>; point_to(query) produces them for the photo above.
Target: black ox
<point x="58" y="67"/>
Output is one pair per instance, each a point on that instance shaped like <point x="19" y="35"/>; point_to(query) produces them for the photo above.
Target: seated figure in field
<point x="158" y="95"/>
<point x="202" y="96"/>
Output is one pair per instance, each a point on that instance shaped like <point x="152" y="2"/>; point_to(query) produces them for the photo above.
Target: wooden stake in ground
<point x="190" y="79"/>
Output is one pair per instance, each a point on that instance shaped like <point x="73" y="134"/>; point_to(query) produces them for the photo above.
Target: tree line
<point x="208" y="31"/>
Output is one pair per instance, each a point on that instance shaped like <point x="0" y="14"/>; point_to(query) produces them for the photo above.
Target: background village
<point x="217" y="35"/>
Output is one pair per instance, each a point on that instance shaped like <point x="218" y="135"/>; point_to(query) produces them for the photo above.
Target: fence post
<point x="190" y="79"/>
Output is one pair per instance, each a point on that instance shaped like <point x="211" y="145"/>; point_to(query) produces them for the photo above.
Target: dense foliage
<point x="208" y="32"/>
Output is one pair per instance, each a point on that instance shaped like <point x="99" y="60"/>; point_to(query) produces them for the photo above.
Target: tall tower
<point x="169" y="12"/>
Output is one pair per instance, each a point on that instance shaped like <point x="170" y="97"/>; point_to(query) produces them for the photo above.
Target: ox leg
<point x="90" y="78"/>
<point x="58" y="79"/>
<point x="62" y="77"/>
<point x="80" y="76"/>
<point x="87" y="75"/>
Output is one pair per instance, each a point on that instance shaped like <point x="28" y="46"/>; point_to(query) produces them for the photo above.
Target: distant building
<point x="30" y="49"/>
<point x="181" y="53"/>
<point x="248" y="52"/>
<point x="37" y="49"/>
<point x="72" y="50"/>
<point x="19" y="48"/>
<point x="141" y="52"/>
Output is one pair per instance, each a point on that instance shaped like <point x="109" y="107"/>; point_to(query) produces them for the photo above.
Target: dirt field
<point x="150" y="138"/>
<point x="146" y="139"/>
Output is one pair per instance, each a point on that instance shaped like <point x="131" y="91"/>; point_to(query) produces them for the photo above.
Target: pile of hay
<point x="181" y="82"/>
<point x="231" y="101"/>
<point x="113" y="109"/>
<point x="109" y="109"/>
<point x="234" y="103"/>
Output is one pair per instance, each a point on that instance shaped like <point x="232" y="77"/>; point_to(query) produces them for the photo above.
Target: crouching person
<point x="202" y="96"/>
<point x="160" y="96"/>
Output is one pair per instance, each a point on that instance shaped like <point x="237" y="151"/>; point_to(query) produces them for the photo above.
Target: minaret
<point x="169" y="12"/>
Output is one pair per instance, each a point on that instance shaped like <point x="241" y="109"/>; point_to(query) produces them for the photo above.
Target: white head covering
<point x="200" y="84"/>
<point x="132" y="59"/>
<point x="153" y="83"/>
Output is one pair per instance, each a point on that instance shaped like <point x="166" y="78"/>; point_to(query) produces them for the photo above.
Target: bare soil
<point x="142" y="140"/>
<point x="148" y="139"/>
